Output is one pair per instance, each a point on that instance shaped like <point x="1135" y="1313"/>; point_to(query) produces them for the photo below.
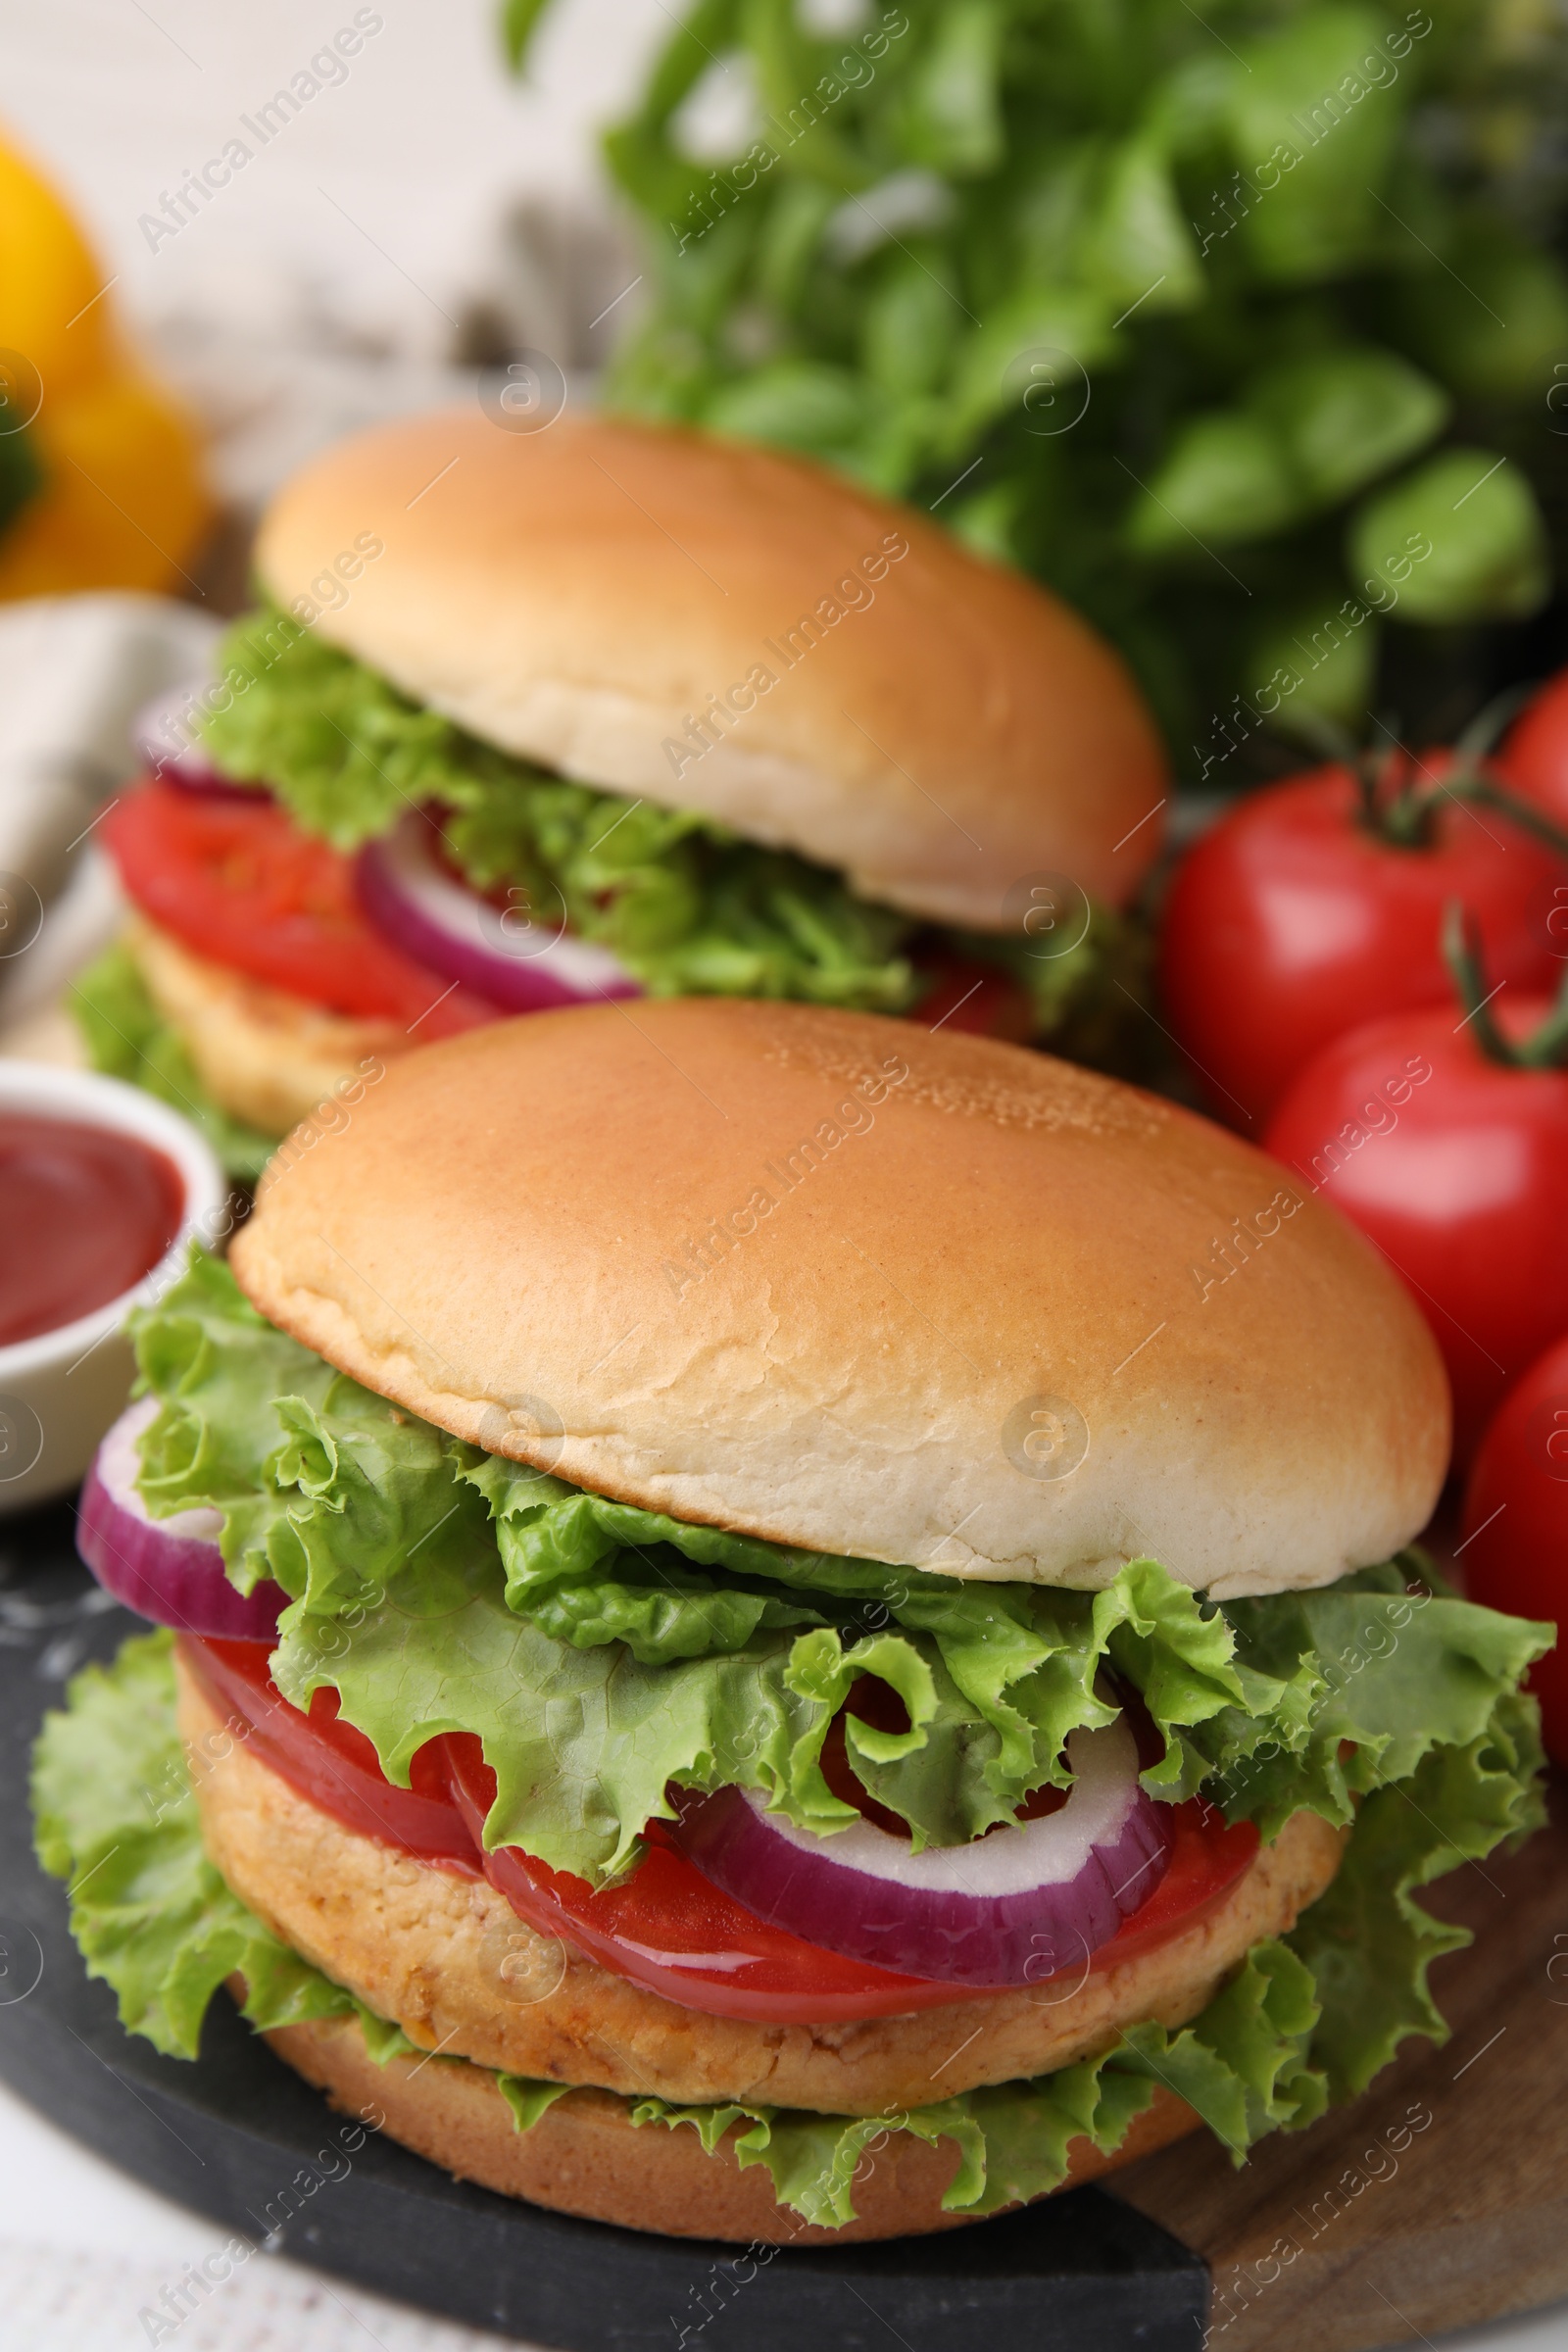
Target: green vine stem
<point x="1546" y="1046"/>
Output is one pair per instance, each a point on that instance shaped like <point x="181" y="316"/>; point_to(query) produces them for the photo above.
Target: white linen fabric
<point x="73" y="672"/>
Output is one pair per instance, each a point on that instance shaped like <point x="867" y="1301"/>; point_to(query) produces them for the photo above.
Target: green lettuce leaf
<point x="1367" y="1942"/>
<point x="1390" y="1672"/>
<point x="128" y="1037"/>
<point x="600" y="1652"/>
<point x="1297" y="2022"/>
<point x="688" y="907"/>
<point x="527" y="2099"/>
<point x="217" y="1367"/>
<point x="1083" y="999"/>
<point x="321" y="1484"/>
<point x="1244" y="2065"/>
<point x="115" y="1817"/>
<point x="662" y="1615"/>
<point x="582" y="1742"/>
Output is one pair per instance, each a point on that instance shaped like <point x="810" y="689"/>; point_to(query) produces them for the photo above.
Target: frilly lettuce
<point x="1299" y="2021"/>
<point x="1367" y="1942"/>
<point x="1244" y="2065"/>
<point x="688" y="907"/>
<point x="601" y="1651"/>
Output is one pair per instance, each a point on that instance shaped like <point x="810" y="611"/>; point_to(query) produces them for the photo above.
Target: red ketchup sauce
<point x="84" y="1213"/>
<point x="665" y="1927"/>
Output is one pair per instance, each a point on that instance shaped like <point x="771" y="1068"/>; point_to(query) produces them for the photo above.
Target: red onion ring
<point x="1015" y="1907"/>
<point x="521" y="965"/>
<point x="168" y="1570"/>
<point x="162" y="734"/>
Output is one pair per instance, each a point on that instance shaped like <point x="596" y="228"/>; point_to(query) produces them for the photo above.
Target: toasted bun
<point x="835" y="1280"/>
<point x="585" y="2156"/>
<point x="451" y="1962"/>
<point x="939" y="730"/>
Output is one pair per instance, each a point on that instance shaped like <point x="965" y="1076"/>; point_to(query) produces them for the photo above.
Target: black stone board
<point x="240" y="2138"/>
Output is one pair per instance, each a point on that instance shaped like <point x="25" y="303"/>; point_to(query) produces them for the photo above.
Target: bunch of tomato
<point x="1366" y="967"/>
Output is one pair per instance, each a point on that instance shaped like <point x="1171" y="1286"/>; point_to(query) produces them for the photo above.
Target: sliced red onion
<point x="521" y="965"/>
<point x="1028" y="1902"/>
<point x="163" y="732"/>
<point x="170" y="1570"/>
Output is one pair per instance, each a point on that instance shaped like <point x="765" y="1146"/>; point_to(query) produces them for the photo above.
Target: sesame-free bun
<point x="585" y="2155"/>
<point x="263" y="1056"/>
<point x="838" y="1281"/>
<point x="938" y="730"/>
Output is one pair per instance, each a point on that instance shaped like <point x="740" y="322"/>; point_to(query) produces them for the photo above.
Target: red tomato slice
<point x="330" y="1763"/>
<point x="665" y="1927"/>
<point x="668" y="1928"/>
<point x="243" y="886"/>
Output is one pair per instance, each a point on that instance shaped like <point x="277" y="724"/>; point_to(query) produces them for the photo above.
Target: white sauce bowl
<point x="60" y="1391"/>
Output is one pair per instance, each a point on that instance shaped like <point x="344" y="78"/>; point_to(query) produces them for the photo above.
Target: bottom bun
<point x="585" y="2156"/>
<point x="263" y="1056"/>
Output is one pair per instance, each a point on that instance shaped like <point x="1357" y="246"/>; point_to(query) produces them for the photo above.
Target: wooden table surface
<point x="1441" y="2197"/>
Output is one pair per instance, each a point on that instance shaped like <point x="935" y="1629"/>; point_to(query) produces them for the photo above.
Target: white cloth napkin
<point x="73" y="672"/>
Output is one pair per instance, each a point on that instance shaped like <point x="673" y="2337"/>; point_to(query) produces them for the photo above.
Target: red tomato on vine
<point x="1317" y="905"/>
<point x="1443" y="1134"/>
<point x="1533" y="758"/>
<point x="1514" y="1547"/>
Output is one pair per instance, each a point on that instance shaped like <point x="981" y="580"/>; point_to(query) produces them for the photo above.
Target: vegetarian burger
<point x="732" y="1581"/>
<point x="606" y="710"/>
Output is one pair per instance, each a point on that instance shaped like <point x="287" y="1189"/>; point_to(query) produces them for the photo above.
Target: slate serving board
<point x="1461" y="2216"/>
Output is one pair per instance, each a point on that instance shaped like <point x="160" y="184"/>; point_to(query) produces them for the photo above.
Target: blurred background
<point x="418" y="208"/>
<point x="213" y="260"/>
<point x="1198" y="317"/>
<point x="1242" y="326"/>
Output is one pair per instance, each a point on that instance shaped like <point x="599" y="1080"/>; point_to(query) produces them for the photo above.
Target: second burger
<point x="604" y="710"/>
